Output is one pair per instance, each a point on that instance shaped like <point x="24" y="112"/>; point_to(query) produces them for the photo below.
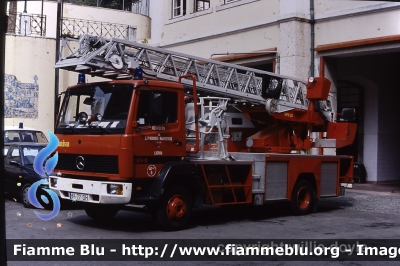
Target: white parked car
<point x="23" y="134"/>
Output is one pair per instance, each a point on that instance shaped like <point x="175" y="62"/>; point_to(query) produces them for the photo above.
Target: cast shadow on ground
<point x="141" y="222"/>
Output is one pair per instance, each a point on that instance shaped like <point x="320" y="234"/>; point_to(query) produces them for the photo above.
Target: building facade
<point x="31" y="53"/>
<point x="355" y="44"/>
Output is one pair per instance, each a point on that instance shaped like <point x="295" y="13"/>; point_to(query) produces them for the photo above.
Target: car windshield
<point x="29" y="153"/>
<point x="99" y="108"/>
<point x="24" y="136"/>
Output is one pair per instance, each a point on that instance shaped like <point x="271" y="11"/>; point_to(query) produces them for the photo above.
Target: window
<point x="11" y="136"/>
<point x="200" y="5"/>
<point x="30" y="153"/>
<point x="178" y="8"/>
<point x="24" y="136"/>
<point x="15" y="155"/>
<point x="157" y="107"/>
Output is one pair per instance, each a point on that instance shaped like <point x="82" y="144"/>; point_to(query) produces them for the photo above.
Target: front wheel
<point x="175" y="209"/>
<point x="304" y="199"/>
<point x="24" y="196"/>
<point x="101" y="213"/>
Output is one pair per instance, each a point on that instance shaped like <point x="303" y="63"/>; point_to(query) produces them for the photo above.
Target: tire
<point x="304" y="200"/>
<point x="101" y="213"/>
<point x="24" y="196"/>
<point x="175" y="209"/>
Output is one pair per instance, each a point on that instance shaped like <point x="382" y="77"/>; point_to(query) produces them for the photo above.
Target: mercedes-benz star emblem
<point x="80" y="162"/>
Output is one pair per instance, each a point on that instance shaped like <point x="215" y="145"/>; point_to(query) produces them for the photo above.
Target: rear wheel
<point x="101" y="213"/>
<point x="304" y="198"/>
<point x="175" y="209"/>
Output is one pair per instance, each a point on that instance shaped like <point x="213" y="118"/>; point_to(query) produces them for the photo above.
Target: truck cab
<point x="116" y="136"/>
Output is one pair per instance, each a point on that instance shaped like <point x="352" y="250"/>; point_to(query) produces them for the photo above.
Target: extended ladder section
<point x="120" y="59"/>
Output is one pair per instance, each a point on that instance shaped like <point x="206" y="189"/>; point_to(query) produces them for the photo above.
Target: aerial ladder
<point x="303" y="106"/>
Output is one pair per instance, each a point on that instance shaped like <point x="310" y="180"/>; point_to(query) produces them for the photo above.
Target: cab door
<point x="12" y="171"/>
<point x="159" y="130"/>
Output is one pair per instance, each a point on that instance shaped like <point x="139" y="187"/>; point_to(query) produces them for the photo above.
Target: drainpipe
<point x="57" y="71"/>
<point x="41" y="21"/>
<point x="312" y="23"/>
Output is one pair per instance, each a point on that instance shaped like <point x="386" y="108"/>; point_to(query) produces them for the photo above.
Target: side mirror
<point x="89" y="101"/>
<point x="15" y="163"/>
<point x="58" y="100"/>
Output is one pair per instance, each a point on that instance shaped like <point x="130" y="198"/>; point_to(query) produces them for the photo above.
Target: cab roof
<point x="136" y="83"/>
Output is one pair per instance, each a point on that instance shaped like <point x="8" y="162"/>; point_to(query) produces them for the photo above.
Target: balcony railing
<point x="26" y="24"/>
<point x="74" y="28"/>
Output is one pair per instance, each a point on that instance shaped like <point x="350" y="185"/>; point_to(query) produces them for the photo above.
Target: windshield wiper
<point x="69" y="130"/>
<point x="102" y="130"/>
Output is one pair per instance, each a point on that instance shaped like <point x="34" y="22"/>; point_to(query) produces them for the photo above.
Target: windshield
<point x="29" y="154"/>
<point x="100" y="108"/>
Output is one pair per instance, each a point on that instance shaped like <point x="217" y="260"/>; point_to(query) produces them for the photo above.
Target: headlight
<point x="53" y="182"/>
<point x="114" y="189"/>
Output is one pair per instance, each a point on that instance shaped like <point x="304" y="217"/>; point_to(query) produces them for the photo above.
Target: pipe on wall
<point x="57" y="71"/>
<point x="312" y="23"/>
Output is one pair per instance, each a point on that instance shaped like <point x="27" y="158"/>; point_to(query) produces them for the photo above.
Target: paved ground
<point x="367" y="211"/>
<point x="392" y="187"/>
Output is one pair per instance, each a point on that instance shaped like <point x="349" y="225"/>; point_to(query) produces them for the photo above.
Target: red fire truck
<point x="171" y="132"/>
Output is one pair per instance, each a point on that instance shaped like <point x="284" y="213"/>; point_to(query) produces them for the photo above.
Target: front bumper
<point x="96" y="190"/>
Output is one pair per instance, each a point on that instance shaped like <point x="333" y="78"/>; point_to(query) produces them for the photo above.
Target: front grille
<point x="107" y="164"/>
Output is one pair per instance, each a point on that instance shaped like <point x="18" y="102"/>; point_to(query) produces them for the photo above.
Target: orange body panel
<point x="319" y="89"/>
<point x="118" y="145"/>
<point x="300" y="116"/>
<point x="343" y="132"/>
<point x="271" y="139"/>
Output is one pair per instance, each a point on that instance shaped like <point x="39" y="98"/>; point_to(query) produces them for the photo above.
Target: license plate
<point x="78" y="197"/>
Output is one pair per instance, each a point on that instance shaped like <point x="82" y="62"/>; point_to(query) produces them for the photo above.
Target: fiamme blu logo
<point x="44" y="165"/>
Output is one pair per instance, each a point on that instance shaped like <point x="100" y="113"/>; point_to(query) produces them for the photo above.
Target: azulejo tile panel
<point x="20" y="99"/>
